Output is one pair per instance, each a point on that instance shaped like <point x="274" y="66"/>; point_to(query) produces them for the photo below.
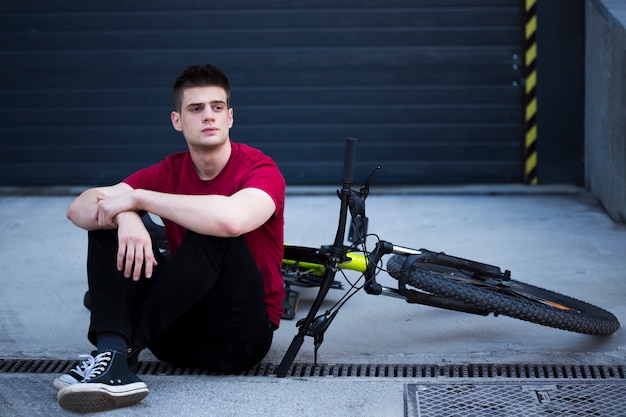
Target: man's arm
<point x="134" y="243"/>
<point x="83" y="210"/>
<point x="214" y="215"/>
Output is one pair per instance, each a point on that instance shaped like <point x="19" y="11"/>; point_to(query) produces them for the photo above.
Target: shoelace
<point x="85" y="366"/>
<point x="100" y="363"/>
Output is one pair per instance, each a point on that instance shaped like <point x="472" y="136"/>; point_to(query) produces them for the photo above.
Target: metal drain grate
<point x="515" y="399"/>
<point x="473" y="371"/>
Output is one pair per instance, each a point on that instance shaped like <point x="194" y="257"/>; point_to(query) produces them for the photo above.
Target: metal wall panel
<point x="430" y="87"/>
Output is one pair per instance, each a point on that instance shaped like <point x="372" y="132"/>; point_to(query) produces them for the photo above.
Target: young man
<point x="216" y="302"/>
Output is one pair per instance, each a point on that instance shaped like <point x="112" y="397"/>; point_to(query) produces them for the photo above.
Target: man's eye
<point x="194" y="109"/>
<point x="218" y="107"/>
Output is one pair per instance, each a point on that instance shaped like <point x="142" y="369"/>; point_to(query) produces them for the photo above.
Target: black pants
<point x="204" y="307"/>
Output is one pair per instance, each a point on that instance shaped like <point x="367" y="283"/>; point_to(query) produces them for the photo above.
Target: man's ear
<point x="175" y="116"/>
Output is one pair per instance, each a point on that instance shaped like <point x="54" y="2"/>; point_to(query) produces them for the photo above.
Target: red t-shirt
<point x="246" y="168"/>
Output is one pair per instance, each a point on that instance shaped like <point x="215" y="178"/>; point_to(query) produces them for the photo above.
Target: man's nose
<point x="208" y="113"/>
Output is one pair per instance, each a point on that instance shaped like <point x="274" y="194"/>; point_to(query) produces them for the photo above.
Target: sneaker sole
<point x="94" y="397"/>
<point x="63" y="381"/>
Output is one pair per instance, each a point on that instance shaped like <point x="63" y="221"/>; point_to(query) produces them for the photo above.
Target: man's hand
<point x="135" y="246"/>
<point x="108" y="207"/>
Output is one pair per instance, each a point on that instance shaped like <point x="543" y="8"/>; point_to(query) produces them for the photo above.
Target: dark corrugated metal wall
<point x="430" y="87"/>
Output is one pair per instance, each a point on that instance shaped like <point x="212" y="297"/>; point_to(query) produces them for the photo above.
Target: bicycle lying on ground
<point x="423" y="277"/>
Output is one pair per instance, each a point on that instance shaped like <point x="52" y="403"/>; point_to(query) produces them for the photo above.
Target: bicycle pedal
<point x="290" y="304"/>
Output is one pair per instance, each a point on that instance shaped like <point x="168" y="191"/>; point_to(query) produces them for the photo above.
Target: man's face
<point x="204" y="118"/>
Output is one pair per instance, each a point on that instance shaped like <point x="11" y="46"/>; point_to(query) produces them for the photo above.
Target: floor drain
<point x="515" y="399"/>
<point x="465" y="371"/>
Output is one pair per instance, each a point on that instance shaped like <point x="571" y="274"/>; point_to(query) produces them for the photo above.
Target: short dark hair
<point x="199" y="76"/>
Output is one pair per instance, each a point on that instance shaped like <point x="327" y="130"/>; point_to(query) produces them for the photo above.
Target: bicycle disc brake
<point x="317" y="329"/>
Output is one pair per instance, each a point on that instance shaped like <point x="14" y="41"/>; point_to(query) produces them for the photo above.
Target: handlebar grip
<point x="349" y="158"/>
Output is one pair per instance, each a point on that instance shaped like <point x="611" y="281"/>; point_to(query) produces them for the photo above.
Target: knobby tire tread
<point x="581" y="318"/>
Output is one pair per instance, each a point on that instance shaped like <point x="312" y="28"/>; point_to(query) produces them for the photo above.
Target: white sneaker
<point x="77" y="374"/>
<point x="109" y="384"/>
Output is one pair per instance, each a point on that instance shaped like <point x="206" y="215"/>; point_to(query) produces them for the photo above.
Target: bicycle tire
<point x="548" y="308"/>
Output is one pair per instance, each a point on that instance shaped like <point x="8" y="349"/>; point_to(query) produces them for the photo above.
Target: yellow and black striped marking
<point x="530" y="174"/>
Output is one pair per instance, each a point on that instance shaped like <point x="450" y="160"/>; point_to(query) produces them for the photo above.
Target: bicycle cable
<point x="359" y="245"/>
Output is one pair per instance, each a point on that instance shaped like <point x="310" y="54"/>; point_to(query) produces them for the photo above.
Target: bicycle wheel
<point x="510" y="298"/>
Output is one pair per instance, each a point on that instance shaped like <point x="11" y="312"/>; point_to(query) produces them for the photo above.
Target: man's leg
<point x="112" y="295"/>
<point x="106" y="380"/>
<point x="207" y="308"/>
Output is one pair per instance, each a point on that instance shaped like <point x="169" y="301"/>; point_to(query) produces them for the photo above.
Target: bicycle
<point x="424" y="277"/>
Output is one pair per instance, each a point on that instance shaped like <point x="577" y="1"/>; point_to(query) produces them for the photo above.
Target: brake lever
<point x="365" y="189"/>
<point x="356" y="205"/>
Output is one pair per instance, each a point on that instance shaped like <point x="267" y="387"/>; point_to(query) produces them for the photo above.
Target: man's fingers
<point x="135" y="256"/>
<point x="150" y="262"/>
<point x="129" y="260"/>
<point x="101" y="218"/>
<point x="138" y="265"/>
<point x="121" y="256"/>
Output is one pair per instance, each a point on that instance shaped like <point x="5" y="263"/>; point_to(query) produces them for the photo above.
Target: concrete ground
<point x="558" y="238"/>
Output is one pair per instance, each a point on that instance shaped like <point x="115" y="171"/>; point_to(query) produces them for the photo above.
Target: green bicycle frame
<point x="358" y="262"/>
